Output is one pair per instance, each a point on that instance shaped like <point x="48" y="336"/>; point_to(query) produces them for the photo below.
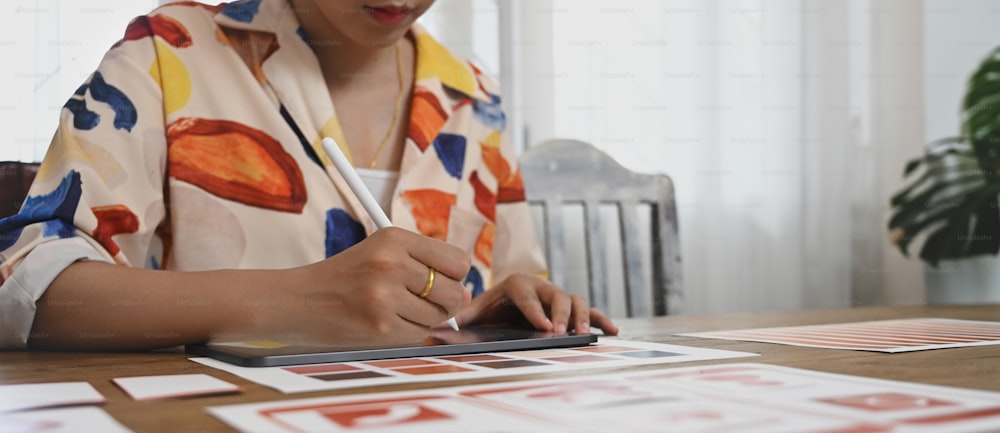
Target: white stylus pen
<point x="361" y="192"/>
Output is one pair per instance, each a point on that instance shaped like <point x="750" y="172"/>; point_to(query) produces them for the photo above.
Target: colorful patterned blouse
<point x="196" y="145"/>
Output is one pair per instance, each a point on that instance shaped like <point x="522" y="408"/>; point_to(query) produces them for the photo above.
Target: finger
<point x="581" y="315"/>
<point x="466" y="295"/>
<point x="525" y="298"/>
<point x="603" y="322"/>
<point x="447" y="259"/>
<point x="429" y="285"/>
<point x="437" y="289"/>
<point x="383" y="317"/>
<point x="405" y="331"/>
<point x="396" y="291"/>
<point x="560" y="308"/>
<point x="421" y="311"/>
<point x="471" y="312"/>
<point x="445" y="292"/>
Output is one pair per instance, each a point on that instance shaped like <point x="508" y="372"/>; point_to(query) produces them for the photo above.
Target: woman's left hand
<point x="547" y="307"/>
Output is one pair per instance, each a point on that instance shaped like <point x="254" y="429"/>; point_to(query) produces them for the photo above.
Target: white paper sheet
<point x="62" y="420"/>
<point x="39" y="395"/>
<point x="173" y="385"/>
<point x="731" y="398"/>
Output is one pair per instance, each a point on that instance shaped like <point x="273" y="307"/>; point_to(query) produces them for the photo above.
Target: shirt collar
<point x="436" y="65"/>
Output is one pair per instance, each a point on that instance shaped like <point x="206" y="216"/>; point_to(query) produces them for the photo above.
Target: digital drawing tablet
<point x="442" y="342"/>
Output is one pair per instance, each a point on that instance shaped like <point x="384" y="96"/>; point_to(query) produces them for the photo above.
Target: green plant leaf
<point x="974" y="229"/>
<point x="912" y="165"/>
<point x="954" y="200"/>
<point x="938" y="174"/>
<point x="968" y="203"/>
<point x="981" y="113"/>
<point x="927" y="199"/>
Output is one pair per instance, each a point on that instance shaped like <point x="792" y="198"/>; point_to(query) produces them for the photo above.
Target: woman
<point x="185" y="197"/>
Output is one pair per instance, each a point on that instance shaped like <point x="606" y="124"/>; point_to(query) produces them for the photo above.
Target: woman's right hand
<point x="368" y="294"/>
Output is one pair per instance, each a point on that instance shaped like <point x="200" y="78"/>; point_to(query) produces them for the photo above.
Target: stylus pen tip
<point x="453" y="323"/>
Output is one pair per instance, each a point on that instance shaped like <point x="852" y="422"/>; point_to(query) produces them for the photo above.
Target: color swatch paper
<point x="892" y="336"/>
<point x="606" y="353"/>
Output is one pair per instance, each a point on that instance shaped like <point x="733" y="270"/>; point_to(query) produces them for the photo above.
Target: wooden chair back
<point x="561" y="173"/>
<point x="15" y="179"/>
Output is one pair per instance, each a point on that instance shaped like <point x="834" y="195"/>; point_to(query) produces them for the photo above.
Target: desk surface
<point x="972" y="367"/>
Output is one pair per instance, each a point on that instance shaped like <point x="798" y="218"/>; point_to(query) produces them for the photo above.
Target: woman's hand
<point x="545" y="306"/>
<point x="369" y="294"/>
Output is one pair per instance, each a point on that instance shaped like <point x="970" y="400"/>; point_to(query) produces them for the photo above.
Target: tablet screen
<point x="442" y="342"/>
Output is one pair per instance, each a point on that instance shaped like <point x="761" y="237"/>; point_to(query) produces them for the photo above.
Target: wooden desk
<point x="973" y="367"/>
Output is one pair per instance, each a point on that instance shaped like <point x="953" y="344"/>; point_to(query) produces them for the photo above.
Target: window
<point x="50" y="47"/>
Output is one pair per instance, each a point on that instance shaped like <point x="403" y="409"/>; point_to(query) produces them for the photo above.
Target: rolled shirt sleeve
<point x="30" y="280"/>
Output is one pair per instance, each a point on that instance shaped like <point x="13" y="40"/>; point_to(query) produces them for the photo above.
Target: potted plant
<point x="951" y="202"/>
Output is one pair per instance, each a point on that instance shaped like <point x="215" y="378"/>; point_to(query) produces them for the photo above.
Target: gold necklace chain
<point x="395" y="112"/>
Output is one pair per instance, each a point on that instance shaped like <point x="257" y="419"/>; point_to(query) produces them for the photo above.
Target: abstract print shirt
<point x="195" y="145"/>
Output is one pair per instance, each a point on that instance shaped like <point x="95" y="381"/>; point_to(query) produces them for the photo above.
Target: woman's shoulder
<point x="238" y="7"/>
<point x="179" y="23"/>
<point x="186" y="10"/>
<point x="256" y="15"/>
<point x="171" y="18"/>
<point x="172" y="22"/>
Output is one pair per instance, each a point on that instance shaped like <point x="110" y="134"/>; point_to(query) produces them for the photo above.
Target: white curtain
<point x="50" y="47"/>
<point x="779" y="122"/>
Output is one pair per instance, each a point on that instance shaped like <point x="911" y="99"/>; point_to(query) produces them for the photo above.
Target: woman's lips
<point x="388" y="15"/>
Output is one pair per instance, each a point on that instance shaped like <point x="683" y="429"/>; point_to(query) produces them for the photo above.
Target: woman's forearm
<point x="98" y="306"/>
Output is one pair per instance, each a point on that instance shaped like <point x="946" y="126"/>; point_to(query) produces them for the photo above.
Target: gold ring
<point x="429" y="285"/>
